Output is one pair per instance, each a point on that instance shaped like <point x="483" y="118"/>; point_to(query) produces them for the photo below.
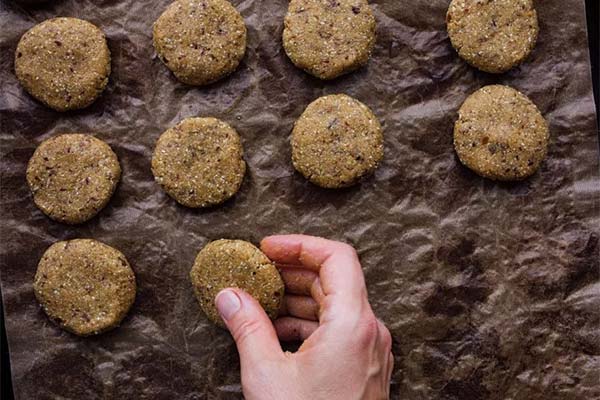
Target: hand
<point x="345" y="355"/>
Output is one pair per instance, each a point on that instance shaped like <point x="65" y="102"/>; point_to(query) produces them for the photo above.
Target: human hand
<point x="345" y="355"/>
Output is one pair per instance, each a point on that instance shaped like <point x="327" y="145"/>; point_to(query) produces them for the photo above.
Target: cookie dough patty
<point x="63" y="62"/>
<point x="336" y="141"/>
<point x="500" y="134"/>
<point x="235" y="263"/>
<point x="200" y="41"/>
<point x="328" y="38"/>
<point x="199" y="162"/>
<point x="493" y="36"/>
<point x="72" y="177"/>
<point x="84" y="285"/>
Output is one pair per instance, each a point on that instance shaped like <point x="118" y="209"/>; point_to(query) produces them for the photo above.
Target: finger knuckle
<point x="386" y="336"/>
<point x="348" y="249"/>
<point x="368" y="329"/>
<point x="244" y="329"/>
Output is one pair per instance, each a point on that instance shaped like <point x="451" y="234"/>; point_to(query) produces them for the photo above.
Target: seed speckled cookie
<point x="493" y="36"/>
<point x="500" y="134"/>
<point x="336" y="141"/>
<point x="63" y="62"/>
<point x="199" y="162"/>
<point x="235" y="263"/>
<point x="72" y="177"/>
<point x="200" y="41"/>
<point x="329" y="38"/>
<point x="85" y="286"/>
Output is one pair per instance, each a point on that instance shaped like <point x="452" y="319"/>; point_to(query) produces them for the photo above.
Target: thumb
<point x="249" y="325"/>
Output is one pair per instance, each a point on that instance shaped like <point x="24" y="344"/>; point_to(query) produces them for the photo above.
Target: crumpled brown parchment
<point x="491" y="291"/>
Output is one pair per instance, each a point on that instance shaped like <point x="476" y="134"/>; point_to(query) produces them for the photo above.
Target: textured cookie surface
<point x="500" y="134"/>
<point x="493" y="35"/>
<point x="199" y="162"/>
<point x="235" y="263"/>
<point x="72" y="177"/>
<point x="328" y="38"/>
<point x="63" y="62"/>
<point x="200" y="41"/>
<point x="336" y="141"/>
<point x="84" y="285"/>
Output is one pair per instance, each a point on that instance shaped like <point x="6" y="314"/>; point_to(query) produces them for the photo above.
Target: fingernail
<point x="228" y="303"/>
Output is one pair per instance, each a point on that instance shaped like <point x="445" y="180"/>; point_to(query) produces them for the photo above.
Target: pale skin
<point x="346" y="351"/>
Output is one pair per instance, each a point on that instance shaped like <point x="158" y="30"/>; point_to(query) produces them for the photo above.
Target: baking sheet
<point x="490" y="290"/>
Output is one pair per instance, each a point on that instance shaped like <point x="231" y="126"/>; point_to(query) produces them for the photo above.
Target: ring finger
<point x="300" y="307"/>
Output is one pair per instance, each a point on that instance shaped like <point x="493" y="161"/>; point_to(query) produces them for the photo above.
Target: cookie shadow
<point x="308" y="196"/>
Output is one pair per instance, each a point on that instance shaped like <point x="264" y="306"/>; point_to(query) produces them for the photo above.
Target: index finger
<point x="336" y="263"/>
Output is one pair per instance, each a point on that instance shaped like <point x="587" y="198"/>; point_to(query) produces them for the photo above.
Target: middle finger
<point x="304" y="307"/>
<point x="297" y="280"/>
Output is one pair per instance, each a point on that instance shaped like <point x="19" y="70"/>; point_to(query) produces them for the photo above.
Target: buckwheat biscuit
<point x="329" y="38"/>
<point x="235" y="263"/>
<point x="200" y="41"/>
<point x="493" y="36"/>
<point x="85" y="286"/>
<point x="500" y="134"/>
<point x="63" y="62"/>
<point x="336" y="141"/>
<point x="72" y="177"/>
<point x="199" y="162"/>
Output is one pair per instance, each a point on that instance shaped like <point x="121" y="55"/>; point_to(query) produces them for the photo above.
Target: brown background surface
<point x="490" y="290"/>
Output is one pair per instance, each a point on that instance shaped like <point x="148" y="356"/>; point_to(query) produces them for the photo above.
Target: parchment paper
<point x="491" y="290"/>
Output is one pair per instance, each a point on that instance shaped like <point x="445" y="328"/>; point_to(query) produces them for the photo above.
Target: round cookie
<point x="63" y="62"/>
<point x="500" y="134"/>
<point x="85" y="286"/>
<point x="336" y="141"/>
<point x="235" y="263"/>
<point x="199" y="162"/>
<point x="329" y="38"/>
<point x="72" y="177"/>
<point x="200" y="41"/>
<point x="493" y="36"/>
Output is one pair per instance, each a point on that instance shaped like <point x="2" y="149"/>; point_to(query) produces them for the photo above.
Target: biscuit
<point x="85" y="286"/>
<point x="199" y="162"/>
<point x="500" y="134"/>
<point x="72" y="177"/>
<point x="336" y="142"/>
<point x="63" y="62"/>
<point x="235" y="263"/>
<point x="329" y="38"/>
<point x="493" y="36"/>
<point x="200" y="41"/>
